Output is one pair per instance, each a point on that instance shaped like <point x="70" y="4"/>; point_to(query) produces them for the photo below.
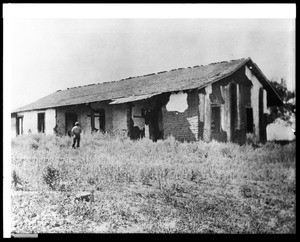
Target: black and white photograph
<point x="124" y="122"/>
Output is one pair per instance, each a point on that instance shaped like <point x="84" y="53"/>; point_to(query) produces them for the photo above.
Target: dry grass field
<point x="151" y="187"/>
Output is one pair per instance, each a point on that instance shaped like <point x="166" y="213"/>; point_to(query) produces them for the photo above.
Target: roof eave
<point x="226" y="75"/>
<point x="274" y="100"/>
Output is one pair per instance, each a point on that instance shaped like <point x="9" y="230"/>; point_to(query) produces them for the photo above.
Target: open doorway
<point x="99" y="120"/>
<point x="71" y="119"/>
<point x="215" y="119"/>
<point x="153" y="124"/>
<point x="41" y="122"/>
<point x="249" y="120"/>
<point x="19" y="125"/>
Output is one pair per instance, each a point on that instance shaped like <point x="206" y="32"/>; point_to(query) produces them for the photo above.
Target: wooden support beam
<point x="201" y="107"/>
<point x="226" y="111"/>
<point x="238" y="107"/>
<point x="92" y="119"/>
<point x="207" y="117"/>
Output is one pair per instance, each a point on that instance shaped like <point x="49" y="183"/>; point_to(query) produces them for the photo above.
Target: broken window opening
<point x="215" y="119"/>
<point x="135" y="131"/>
<point x="98" y="120"/>
<point x="41" y="122"/>
<point x="249" y="120"/>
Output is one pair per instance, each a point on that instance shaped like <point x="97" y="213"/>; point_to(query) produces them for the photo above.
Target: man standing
<point x="76" y="130"/>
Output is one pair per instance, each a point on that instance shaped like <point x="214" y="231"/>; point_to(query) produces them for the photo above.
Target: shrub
<point x="34" y="145"/>
<point x="15" y="178"/>
<point x="51" y="177"/>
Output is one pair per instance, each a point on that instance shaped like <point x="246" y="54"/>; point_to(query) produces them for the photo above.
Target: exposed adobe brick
<point x="176" y="124"/>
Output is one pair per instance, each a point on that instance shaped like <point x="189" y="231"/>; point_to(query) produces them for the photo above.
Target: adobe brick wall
<point x="181" y="125"/>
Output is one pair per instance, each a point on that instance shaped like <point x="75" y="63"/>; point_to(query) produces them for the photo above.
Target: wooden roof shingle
<point x="175" y="80"/>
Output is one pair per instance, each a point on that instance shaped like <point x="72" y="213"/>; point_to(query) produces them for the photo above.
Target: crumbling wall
<point x="30" y="121"/>
<point x="82" y="112"/>
<point x="50" y="121"/>
<point x="108" y="114"/>
<point x="136" y="122"/>
<point x="259" y="105"/>
<point x="137" y="118"/>
<point x="183" y="123"/>
<point x="144" y="119"/>
<point x="207" y="116"/>
<point x="236" y="92"/>
<point x="120" y="118"/>
<point x="209" y="97"/>
<point x="231" y="96"/>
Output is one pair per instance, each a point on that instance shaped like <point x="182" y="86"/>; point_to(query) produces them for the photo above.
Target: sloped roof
<point x="168" y="81"/>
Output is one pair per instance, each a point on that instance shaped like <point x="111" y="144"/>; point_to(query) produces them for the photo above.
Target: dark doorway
<point x="153" y="118"/>
<point x="262" y="126"/>
<point x="71" y="119"/>
<point x="41" y="122"/>
<point x="215" y="119"/>
<point x="19" y="125"/>
<point x="233" y="110"/>
<point x="249" y="120"/>
<point x="101" y="114"/>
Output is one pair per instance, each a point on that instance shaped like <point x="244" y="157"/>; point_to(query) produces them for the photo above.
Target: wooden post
<point x="129" y="118"/>
<point x="207" y="117"/>
<point x="92" y="120"/>
<point x="226" y="111"/>
<point x="229" y="114"/>
<point x="238" y="107"/>
<point x="201" y="107"/>
<point x="223" y="109"/>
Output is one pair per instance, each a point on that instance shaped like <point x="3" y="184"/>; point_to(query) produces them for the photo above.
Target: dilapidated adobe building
<point x="222" y="101"/>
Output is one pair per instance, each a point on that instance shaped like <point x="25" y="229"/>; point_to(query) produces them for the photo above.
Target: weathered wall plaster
<point x="201" y="107"/>
<point x="226" y="112"/>
<point x="108" y="115"/>
<point x="13" y="126"/>
<point x="30" y="121"/>
<point x="266" y="110"/>
<point x="182" y="125"/>
<point x="238" y="101"/>
<point x="82" y="112"/>
<point x="207" y="117"/>
<point x="193" y="121"/>
<point x="120" y="118"/>
<point x="254" y="100"/>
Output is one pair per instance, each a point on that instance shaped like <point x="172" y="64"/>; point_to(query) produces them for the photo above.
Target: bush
<point x="222" y="185"/>
<point x="51" y="177"/>
<point x="15" y="178"/>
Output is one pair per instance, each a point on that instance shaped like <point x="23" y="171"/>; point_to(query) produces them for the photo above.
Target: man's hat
<point x="76" y="123"/>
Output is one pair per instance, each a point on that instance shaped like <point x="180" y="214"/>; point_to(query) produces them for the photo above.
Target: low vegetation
<point x="151" y="187"/>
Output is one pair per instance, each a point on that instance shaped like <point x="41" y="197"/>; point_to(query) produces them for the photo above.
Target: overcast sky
<point x="52" y="54"/>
